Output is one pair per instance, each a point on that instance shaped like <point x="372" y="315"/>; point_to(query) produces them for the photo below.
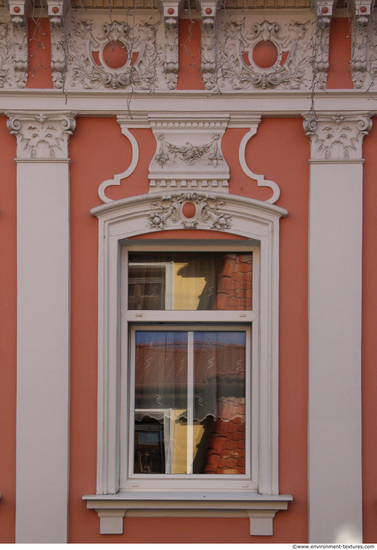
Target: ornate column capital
<point x="41" y="135"/>
<point x="337" y="136"/>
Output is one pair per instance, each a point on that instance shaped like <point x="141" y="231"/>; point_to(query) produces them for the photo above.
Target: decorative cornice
<point x="41" y="135"/>
<point x="337" y="136"/>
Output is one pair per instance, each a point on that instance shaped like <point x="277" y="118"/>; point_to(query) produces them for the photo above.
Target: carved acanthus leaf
<point x="207" y="212"/>
<point x="41" y="135"/>
<point x="338" y="136"/>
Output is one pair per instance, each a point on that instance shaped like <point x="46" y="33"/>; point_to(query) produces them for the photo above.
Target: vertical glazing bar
<point x="190" y="401"/>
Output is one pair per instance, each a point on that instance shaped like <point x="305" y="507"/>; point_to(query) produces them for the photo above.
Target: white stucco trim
<point x="259" y="509"/>
<point x="43" y="324"/>
<point x="335" y="285"/>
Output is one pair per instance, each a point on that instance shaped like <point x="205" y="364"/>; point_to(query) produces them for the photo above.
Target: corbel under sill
<point x="260" y="509"/>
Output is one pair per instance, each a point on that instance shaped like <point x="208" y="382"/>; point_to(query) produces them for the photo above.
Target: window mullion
<point x="190" y="401"/>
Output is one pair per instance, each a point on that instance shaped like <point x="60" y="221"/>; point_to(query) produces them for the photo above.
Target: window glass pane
<point x="190" y="402"/>
<point x="189" y="281"/>
<point x="160" y="399"/>
<point x="219" y="402"/>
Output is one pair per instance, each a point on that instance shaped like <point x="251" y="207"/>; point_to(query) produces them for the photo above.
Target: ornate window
<point x="188" y="362"/>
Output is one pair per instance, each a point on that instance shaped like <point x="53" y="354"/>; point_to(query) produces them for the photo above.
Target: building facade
<point x="188" y="295"/>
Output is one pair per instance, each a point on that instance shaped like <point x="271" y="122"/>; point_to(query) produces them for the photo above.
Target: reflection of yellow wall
<point x="187" y="290"/>
<point x="180" y="443"/>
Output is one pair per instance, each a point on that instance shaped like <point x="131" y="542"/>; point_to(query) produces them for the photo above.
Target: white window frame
<point x="119" y="221"/>
<point x="130" y="481"/>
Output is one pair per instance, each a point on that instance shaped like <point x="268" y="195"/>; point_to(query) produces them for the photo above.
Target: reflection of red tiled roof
<point x="235" y="283"/>
<point x="226" y="450"/>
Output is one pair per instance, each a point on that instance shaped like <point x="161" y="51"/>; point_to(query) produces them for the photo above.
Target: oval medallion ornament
<point x="265" y="54"/>
<point x="189" y="210"/>
<point x="115" y="54"/>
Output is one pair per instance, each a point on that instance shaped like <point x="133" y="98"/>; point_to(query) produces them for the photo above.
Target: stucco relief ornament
<point x="206" y="207"/>
<point x="41" y="136"/>
<point x="289" y="51"/>
<point x="170" y="66"/>
<point x="188" y="153"/>
<point x="209" y="54"/>
<point x="337" y="137"/>
<point x="91" y="55"/>
<point x="58" y="50"/>
<point x="13" y="54"/>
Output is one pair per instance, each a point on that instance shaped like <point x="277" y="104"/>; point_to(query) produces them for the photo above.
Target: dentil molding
<point x="41" y="135"/>
<point x="337" y="136"/>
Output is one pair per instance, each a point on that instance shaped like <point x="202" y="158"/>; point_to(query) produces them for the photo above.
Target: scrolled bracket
<point x="171" y="10"/>
<point x="19" y="12"/>
<point x="323" y="13"/>
<point x="208" y="10"/>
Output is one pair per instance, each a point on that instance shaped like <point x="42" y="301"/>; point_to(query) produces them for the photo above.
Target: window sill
<point x="260" y="509"/>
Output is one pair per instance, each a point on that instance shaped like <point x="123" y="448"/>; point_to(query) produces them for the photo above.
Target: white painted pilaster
<point x="335" y="283"/>
<point x="43" y="310"/>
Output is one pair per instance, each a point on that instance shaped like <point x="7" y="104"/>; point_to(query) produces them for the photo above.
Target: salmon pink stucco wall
<point x="339" y="75"/>
<point x="98" y="150"/>
<point x="8" y="334"/>
<point x="39" y="38"/>
<point x="369" y="341"/>
<point x="190" y="55"/>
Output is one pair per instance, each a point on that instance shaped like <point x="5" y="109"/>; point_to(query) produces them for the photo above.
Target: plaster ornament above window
<point x="190" y="210"/>
<point x="42" y="135"/>
<point x="114" y="54"/>
<point x="338" y="136"/>
<point x="264" y="54"/>
<point x="188" y="153"/>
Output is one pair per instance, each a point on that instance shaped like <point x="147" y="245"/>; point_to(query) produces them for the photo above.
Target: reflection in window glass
<point x="190" y="402"/>
<point x="189" y="281"/>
